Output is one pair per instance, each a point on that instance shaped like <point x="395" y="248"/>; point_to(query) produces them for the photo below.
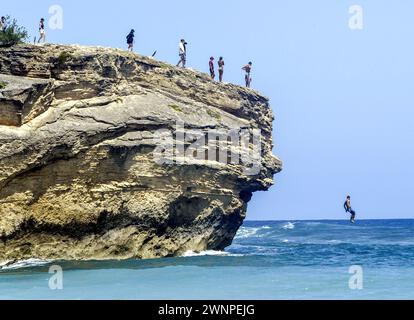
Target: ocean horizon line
<point x="319" y="220"/>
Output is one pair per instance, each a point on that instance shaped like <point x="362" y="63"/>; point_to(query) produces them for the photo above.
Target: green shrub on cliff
<point x="63" y="58"/>
<point x="2" y="85"/>
<point x="176" y="108"/>
<point x="13" y="34"/>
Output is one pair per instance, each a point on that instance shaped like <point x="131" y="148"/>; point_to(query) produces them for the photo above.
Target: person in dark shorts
<point x="182" y="52"/>
<point x="221" y="68"/>
<point x="211" y="67"/>
<point x="247" y="78"/>
<point x="348" y="208"/>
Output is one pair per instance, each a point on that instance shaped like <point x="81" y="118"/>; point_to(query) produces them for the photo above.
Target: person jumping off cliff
<point x="221" y="68"/>
<point x="130" y="40"/>
<point x="247" y="78"/>
<point x="348" y="208"/>
<point x="182" y="52"/>
<point x="211" y="65"/>
<point x="42" y="31"/>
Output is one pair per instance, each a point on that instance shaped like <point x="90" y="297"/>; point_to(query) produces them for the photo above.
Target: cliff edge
<point x="105" y="154"/>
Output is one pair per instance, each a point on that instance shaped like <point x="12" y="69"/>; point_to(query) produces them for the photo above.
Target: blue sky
<point x="343" y="99"/>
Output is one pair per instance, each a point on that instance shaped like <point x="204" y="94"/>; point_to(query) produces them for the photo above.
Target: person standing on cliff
<point x="348" y="208"/>
<point x="221" y="68"/>
<point x="247" y="78"/>
<point x="211" y="65"/>
<point x="130" y="40"/>
<point x="42" y="31"/>
<point x="3" y="24"/>
<point x="182" y="52"/>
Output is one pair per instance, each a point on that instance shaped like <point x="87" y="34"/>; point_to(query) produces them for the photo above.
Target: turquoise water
<point x="268" y="260"/>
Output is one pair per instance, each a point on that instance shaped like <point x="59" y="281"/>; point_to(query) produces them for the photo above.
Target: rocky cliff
<point x="97" y="157"/>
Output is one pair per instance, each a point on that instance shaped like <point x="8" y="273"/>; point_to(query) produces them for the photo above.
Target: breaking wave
<point x="12" y="265"/>
<point x="208" y="253"/>
<point x="289" y="226"/>
<point x="247" y="232"/>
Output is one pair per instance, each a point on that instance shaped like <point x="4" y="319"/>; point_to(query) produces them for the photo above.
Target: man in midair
<point x="130" y="40"/>
<point x="211" y="66"/>
<point x="247" y="78"/>
<point x="182" y="51"/>
<point x="348" y="208"/>
<point x="221" y="68"/>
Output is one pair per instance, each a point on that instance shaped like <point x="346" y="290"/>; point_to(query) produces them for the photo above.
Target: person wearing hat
<point x="182" y="53"/>
<point x="211" y="65"/>
<point x="42" y="31"/>
<point x="247" y="78"/>
<point x="130" y="40"/>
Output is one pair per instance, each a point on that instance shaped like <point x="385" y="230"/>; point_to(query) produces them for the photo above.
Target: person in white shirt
<point x="3" y="24"/>
<point x="182" y="53"/>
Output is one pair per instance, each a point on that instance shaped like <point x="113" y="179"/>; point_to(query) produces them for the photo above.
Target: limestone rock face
<point x="96" y="156"/>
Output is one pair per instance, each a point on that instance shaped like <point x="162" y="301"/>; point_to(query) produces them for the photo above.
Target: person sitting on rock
<point x="211" y="65"/>
<point x="130" y="40"/>
<point x="221" y="68"/>
<point x="247" y="78"/>
<point x="182" y="53"/>
<point x="42" y="31"/>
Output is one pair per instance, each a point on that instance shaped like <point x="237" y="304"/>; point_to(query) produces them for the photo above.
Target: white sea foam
<point x="335" y="241"/>
<point x="289" y="226"/>
<point x="209" y="253"/>
<point x="12" y="265"/>
<point x="247" y="232"/>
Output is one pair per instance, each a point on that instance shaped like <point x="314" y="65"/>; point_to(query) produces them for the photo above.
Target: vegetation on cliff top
<point x="13" y="34"/>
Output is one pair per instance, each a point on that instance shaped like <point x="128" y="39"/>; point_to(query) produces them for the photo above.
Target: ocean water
<point x="268" y="260"/>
